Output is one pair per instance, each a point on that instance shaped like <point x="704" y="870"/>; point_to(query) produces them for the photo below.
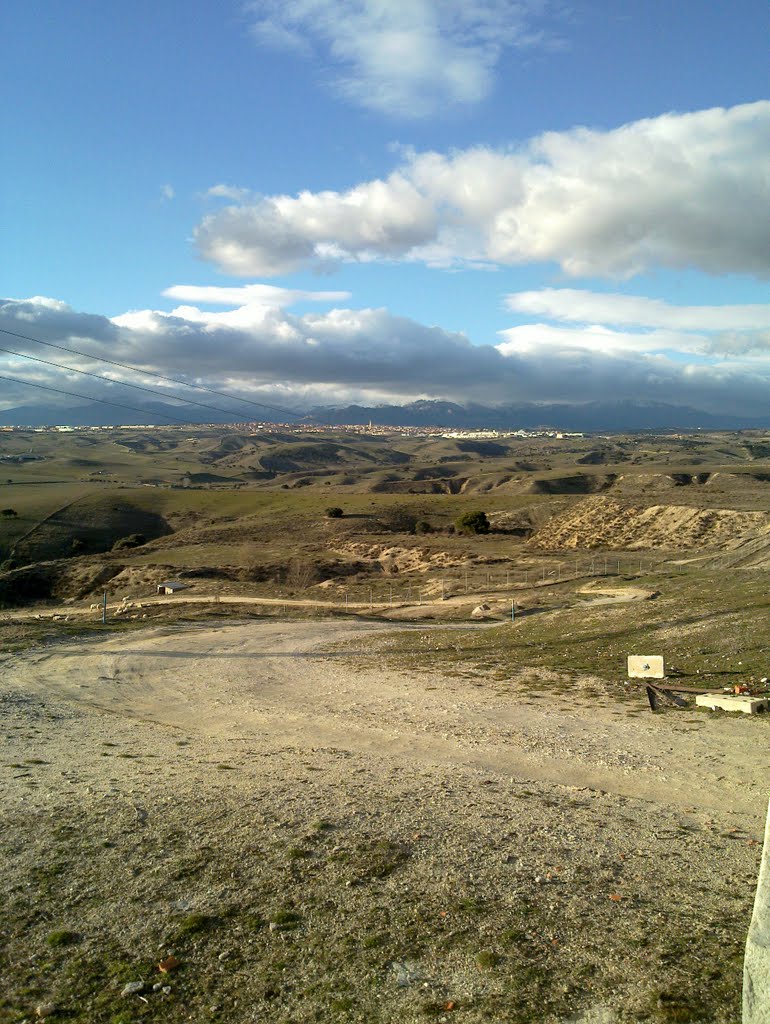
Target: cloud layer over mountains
<point x="258" y="348"/>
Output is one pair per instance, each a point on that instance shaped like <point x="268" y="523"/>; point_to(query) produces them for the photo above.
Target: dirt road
<point x="273" y="682"/>
<point x="317" y="838"/>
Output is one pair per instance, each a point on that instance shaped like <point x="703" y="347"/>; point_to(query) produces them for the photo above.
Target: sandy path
<point x="272" y="683"/>
<point x="179" y="790"/>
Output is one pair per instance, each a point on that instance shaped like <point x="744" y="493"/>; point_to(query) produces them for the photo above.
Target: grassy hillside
<point x="251" y="507"/>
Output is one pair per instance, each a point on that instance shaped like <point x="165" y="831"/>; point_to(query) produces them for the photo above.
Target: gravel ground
<point x="310" y="838"/>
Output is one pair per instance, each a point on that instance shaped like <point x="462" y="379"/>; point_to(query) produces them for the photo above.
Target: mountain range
<point x="592" y="417"/>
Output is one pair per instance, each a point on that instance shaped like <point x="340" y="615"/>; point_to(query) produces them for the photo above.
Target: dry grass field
<point x="328" y="790"/>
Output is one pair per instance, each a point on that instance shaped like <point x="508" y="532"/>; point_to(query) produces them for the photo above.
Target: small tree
<point x="472" y="522"/>
<point x="334" y="512"/>
<point x="301" y="574"/>
<point x="9" y="513"/>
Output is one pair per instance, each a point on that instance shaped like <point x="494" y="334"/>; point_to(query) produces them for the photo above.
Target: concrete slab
<point x="732" y="702"/>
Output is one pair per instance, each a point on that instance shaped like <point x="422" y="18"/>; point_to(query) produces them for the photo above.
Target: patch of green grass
<point x="286" y="920"/>
<point x="322" y="826"/>
<point x="62" y="937"/>
<point x="253" y="922"/>
<point x="372" y="858"/>
<point x="194" y="924"/>
<point x="487" y="960"/>
<point x="711" y="627"/>
<point x="298" y="853"/>
<point x="342" y="1004"/>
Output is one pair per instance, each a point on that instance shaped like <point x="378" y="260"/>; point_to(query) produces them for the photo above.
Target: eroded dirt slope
<point x="601" y="522"/>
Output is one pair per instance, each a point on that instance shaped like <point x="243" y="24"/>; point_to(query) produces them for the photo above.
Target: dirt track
<point x="271" y="682"/>
<point x="476" y="839"/>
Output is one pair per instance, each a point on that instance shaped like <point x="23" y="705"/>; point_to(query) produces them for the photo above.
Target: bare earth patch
<point x="299" y="835"/>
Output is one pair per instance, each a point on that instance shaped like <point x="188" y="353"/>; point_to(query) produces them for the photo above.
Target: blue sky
<point x="470" y="185"/>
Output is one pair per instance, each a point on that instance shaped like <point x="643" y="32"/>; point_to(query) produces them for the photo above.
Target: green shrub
<point x="472" y="522"/>
<point x="134" y="540"/>
<point x="334" y="512"/>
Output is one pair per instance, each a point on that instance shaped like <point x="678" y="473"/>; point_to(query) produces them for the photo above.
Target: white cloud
<point x="723" y="331"/>
<point x="167" y="192"/>
<point x="223" y="191"/>
<point x="533" y="338"/>
<point x="677" y="191"/>
<point x="572" y="304"/>
<point x="408" y="59"/>
<point x="280" y="234"/>
<point x="261" y="294"/>
<point x="740" y="343"/>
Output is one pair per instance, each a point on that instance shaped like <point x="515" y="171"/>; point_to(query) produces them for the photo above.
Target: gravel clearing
<point x="238" y="823"/>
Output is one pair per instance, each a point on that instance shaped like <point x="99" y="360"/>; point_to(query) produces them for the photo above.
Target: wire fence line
<point x="419" y="586"/>
<point x="498" y="583"/>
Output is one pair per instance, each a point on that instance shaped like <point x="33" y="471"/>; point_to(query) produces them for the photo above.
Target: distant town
<point x="304" y="428"/>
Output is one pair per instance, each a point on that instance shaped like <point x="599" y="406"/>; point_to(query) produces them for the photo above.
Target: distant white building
<point x="171" y="587"/>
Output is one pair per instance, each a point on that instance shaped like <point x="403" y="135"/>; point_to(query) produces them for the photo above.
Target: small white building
<point x="171" y="587"/>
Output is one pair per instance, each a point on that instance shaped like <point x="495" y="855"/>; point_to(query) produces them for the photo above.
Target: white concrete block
<point x="645" y="666"/>
<point x="732" y="702"/>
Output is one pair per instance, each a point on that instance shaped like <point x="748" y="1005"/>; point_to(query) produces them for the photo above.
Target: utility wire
<point x="122" y="383"/>
<point x="88" y="398"/>
<point x="150" y="373"/>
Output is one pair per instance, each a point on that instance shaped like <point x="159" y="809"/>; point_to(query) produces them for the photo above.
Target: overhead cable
<point x="122" y="383"/>
<point x="89" y="398"/>
<point x="150" y="373"/>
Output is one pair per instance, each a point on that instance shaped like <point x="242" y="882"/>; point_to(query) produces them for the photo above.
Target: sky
<point x="316" y="202"/>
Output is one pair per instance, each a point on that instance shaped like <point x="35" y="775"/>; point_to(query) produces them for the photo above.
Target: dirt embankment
<point x="394" y="558"/>
<point x="608" y="524"/>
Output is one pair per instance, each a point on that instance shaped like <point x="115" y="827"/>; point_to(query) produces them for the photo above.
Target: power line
<point x="149" y="373"/>
<point x="89" y="398"/>
<point x="122" y="383"/>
